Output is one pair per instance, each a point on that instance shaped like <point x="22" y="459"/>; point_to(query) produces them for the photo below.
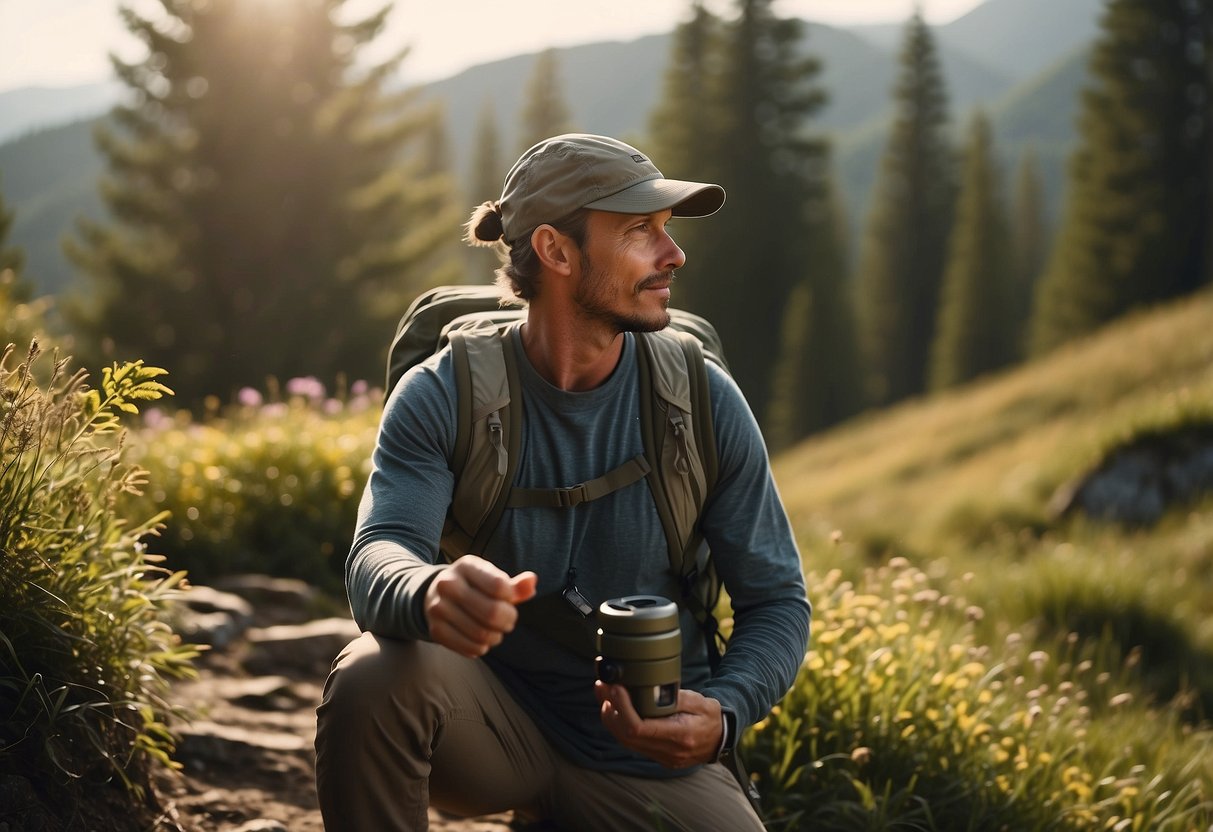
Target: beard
<point x="599" y="301"/>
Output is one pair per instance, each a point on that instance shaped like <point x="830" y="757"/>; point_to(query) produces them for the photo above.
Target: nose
<point x="673" y="257"/>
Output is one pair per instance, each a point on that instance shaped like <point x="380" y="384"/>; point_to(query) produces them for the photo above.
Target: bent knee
<point x="374" y="670"/>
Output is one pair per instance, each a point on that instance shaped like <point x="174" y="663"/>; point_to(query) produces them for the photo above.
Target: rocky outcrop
<point x="1139" y="481"/>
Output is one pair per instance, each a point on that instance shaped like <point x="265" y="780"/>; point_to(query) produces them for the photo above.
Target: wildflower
<point x="1120" y="699"/>
<point x="1038" y="658"/>
<point x="155" y="418"/>
<point x="249" y="397"/>
<point x="836" y="536"/>
<point x="861" y="755"/>
<point x="974" y="613"/>
<point x="309" y="387"/>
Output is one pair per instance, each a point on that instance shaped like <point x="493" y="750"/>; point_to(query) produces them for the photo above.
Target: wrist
<point x="728" y="735"/>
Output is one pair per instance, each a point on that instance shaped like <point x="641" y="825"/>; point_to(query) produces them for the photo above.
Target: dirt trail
<point x="248" y="763"/>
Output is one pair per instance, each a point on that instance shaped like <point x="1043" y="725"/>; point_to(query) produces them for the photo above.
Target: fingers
<point x="689" y="736"/>
<point x="470" y="607"/>
<point x="618" y="714"/>
<point x="523" y="585"/>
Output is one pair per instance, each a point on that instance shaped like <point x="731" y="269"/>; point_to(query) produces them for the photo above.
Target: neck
<point x="570" y="353"/>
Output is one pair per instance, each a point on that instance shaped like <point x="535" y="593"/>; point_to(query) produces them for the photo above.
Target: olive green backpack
<point x="679" y="460"/>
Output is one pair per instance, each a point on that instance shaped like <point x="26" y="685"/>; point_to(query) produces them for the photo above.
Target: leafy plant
<point x="85" y="657"/>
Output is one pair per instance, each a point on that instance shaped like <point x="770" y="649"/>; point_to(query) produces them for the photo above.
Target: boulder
<point x="1139" y="481"/>
<point x="298" y="649"/>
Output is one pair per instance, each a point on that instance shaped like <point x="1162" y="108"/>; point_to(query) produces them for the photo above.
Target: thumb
<point x="523" y="585"/>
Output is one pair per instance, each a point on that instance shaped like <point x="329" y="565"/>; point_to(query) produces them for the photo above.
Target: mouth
<point x="657" y="283"/>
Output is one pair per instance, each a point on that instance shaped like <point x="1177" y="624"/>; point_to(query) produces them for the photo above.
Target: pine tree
<point x="21" y="317"/>
<point x="687" y="140"/>
<point x="444" y="263"/>
<point x="817" y="382"/>
<point x="1138" y="216"/>
<point x="1030" y="238"/>
<point x="486" y="178"/>
<point x="973" y="335"/>
<point x="11" y="258"/>
<point x="905" y="249"/>
<point x="488" y="166"/>
<point x="263" y="223"/>
<point x="545" y="112"/>
<point x="742" y="268"/>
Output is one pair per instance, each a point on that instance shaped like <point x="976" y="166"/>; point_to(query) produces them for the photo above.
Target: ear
<point x="557" y="252"/>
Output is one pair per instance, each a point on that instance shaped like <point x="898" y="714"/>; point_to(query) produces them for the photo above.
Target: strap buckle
<point x="574" y="495"/>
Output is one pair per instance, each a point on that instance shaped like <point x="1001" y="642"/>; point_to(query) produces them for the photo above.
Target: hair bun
<point x="485" y="226"/>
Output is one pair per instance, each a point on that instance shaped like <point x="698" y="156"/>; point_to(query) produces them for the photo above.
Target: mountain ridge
<point x="48" y="175"/>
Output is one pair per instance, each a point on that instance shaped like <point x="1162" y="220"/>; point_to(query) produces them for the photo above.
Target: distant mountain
<point x="49" y="177"/>
<point x="1017" y="38"/>
<point x="1022" y="38"/>
<point x="612" y="87"/>
<point x="27" y="109"/>
<point x="1043" y="110"/>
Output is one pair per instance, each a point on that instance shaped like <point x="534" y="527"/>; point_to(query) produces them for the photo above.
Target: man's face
<point x="627" y="266"/>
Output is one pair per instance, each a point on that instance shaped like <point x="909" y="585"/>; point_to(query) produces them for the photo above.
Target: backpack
<point x="679" y="459"/>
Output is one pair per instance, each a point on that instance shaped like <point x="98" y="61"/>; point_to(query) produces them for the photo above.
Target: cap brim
<point x="686" y="199"/>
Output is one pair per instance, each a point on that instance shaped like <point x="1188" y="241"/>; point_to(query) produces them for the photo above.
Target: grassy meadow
<point x="977" y="661"/>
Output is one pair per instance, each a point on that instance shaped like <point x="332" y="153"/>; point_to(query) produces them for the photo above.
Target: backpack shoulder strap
<point x="680" y="441"/>
<point x="668" y="419"/>
<point x="488" y="434"/>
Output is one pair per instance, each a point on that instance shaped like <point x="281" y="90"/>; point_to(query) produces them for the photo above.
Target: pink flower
<point x="309" y="387"/>
<point x="248" y="397"/>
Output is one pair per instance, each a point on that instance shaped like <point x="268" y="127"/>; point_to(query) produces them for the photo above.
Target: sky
<point x="65" y="42"/>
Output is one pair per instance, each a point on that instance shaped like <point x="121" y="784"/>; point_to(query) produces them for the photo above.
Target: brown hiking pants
<point x="404" y="725"/>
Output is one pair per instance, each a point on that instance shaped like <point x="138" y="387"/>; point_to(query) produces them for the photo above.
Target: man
<point x="443" y="701"/>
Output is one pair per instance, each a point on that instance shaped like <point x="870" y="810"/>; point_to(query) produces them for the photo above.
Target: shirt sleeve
<point x="756" y="556"/>
<point x="394" y="554"/>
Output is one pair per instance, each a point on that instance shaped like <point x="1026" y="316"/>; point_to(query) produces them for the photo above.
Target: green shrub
<point x="901" y="719"/>
<point x="269" y="488"/>
<point x="85" y="656"/>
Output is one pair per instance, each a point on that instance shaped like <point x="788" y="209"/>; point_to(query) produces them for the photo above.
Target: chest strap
<point x="634" y="470"/>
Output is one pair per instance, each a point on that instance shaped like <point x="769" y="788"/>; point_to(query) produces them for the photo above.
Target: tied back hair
<point x="485" y="228"/>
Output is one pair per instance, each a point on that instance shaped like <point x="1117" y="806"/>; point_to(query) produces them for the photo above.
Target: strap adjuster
<point x="574" y="495"/>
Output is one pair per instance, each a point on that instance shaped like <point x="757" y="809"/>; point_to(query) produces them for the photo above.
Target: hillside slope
<point x="959" y="465"/>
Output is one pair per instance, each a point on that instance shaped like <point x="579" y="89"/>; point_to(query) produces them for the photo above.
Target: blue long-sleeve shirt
<point x="615" y="544"/>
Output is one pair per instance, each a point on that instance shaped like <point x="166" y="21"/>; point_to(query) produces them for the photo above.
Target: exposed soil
<point x="248" y="759"/>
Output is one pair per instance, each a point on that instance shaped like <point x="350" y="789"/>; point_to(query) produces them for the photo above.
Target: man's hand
<point x="471" y="606"/>
<point x="690" y="736"/>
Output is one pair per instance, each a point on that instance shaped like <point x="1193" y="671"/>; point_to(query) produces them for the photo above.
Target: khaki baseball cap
<point x="578" y="170"/>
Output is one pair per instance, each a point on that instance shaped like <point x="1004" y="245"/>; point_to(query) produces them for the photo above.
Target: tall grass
<point x="1071" y="690"/>
<point x="903" y="718"/>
